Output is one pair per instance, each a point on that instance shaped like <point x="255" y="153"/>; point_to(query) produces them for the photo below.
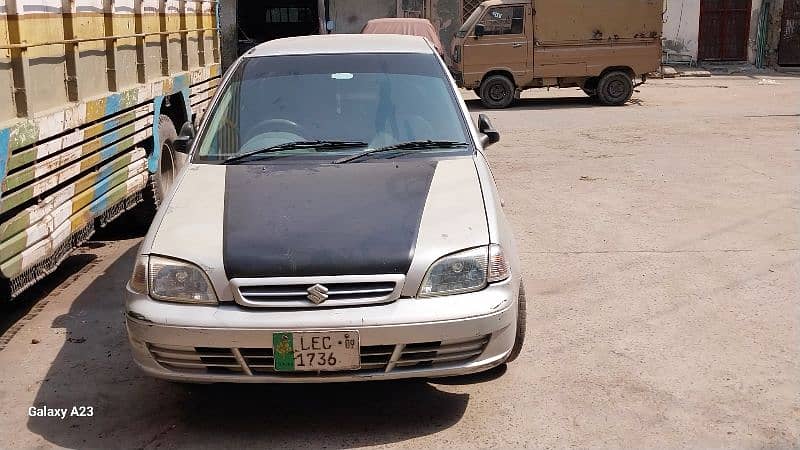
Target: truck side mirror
<point x="480" y="30"/>
<point x="184" y="140"/>
<point x="489" y="135"/>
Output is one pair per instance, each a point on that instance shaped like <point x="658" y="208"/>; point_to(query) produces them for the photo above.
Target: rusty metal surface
<point x="724" y="29"/>
<point x="789" y="46"/>
<point x="579" y="20"/>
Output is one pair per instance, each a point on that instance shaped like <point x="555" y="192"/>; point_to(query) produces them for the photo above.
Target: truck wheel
<point x="165" y="175"/>
<point x="497" y="92"/>
<point x="521" y="321"/>
<point x="614" y="88"/>
<point x="161" y="181"/>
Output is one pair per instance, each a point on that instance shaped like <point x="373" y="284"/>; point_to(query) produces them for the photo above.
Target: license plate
<point x="316" y="351"/>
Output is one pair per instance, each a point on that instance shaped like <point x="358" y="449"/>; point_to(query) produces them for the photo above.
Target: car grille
<point x="192" y="359"/>
<point x="374" y="358"/>
<point x="338" y="291"/>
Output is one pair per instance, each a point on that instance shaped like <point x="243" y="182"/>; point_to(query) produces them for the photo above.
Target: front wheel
<point x="161" y="181"/>
<point x="497" y="92"/>
<point x="614" y="88"/>
<point x="522" y="312"/>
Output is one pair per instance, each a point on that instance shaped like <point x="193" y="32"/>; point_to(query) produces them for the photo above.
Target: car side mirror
<point x="480" y="30"/>
<point x="489" y="135"/>
<point x="184" y="140"/>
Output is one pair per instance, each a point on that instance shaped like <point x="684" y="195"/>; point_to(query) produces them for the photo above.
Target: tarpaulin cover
<point x="411" y="27"/>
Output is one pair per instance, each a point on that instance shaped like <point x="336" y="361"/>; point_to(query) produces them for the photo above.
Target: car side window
<point x="504" y="20"/>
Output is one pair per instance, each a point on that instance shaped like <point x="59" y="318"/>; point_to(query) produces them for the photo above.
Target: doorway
<point x="724" y="29"/>
<point x="789" y="46"/>
<point x="274" y="19"/>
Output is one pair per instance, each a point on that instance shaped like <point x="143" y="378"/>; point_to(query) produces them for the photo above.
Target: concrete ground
<point x="661" y="255"/>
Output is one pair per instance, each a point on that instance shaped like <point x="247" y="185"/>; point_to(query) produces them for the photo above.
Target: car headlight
<point x="174" y="281"/>
<point x="467" y="271"/>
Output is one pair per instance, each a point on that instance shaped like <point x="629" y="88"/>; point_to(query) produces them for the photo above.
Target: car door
<point x="504" y="44"/>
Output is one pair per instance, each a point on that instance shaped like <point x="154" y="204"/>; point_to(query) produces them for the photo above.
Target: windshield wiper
<point x="317" y="145"/>
<point x="413" y="145"/>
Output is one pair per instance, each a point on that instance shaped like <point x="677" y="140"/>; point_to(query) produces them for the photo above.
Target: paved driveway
<point x="661" y="255"/>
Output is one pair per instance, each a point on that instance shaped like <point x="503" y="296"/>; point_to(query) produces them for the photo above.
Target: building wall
<point x="682" y="26"/>
<point x="774" y="32"/>
<point x="446" y="17"/>
<point x="229" y="36"/>
<point x="350" y="16"/>
<point x="752" y="39"/>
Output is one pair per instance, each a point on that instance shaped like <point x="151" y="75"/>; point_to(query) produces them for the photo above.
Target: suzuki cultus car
<point x="336" y="221"/>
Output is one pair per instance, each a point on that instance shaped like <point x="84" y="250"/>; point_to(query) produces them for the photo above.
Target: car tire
<point x="519" y="340"/>
<point x="161" y="181"/>
<point x="497" y="92"/>
<point x="614" y="88"/>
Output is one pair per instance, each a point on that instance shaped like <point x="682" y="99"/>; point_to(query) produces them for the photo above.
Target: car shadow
<point x="33" y="299"/>
<point x="95" y="368"/>
<point x="531" y="104"/>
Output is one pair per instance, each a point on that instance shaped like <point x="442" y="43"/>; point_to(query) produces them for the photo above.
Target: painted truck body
<point x="561" y="43"/>
<point x="89" y="91"/>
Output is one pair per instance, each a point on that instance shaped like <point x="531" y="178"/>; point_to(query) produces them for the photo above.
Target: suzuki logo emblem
<point x="317" y="293"/>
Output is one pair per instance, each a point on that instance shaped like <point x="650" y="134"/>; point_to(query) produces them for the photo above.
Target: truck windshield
<point x="462" y="32"/>
<point x="369" y="100"/>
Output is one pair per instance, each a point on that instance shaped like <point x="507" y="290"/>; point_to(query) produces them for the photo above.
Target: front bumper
<point x="408" y="338"/>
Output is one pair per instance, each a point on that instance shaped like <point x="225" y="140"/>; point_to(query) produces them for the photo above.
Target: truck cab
<point x="507" y="46"/>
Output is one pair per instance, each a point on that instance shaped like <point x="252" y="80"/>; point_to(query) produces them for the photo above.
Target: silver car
<point x="336" y="221"/>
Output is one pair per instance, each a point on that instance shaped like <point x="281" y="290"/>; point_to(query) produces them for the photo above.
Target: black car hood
<point x="349" y="219"/>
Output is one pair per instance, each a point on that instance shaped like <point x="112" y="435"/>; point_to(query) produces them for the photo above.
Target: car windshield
<point x="377" y="100"/>
<point x="462" y="32"/>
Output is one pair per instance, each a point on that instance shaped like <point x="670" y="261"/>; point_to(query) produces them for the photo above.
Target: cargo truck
<point x="92" y="93"/>
<point x="602" y="46"/>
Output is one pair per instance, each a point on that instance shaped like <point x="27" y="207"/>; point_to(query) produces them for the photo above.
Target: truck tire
<point x="614" y="88"/>
<point x="497" y="92"/>
<point x="161" y="181"/>
<point x="519" y="340"/>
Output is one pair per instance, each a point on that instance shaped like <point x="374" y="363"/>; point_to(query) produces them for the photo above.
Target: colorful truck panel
<point x="83" y="85"/>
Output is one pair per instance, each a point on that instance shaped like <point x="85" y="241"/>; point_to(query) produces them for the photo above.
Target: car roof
<point x="341" y="43"/>
<point x="399" y="19"/>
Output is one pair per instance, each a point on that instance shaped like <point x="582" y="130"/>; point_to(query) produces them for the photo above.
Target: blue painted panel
<point x="112" y="106"/>
<point x="155" y="155"/>
<point x="5" y="134"/>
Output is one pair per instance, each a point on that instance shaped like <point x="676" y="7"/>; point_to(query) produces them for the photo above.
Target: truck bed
<point x="81" y="92"/>
<point x="564" y="21"/>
